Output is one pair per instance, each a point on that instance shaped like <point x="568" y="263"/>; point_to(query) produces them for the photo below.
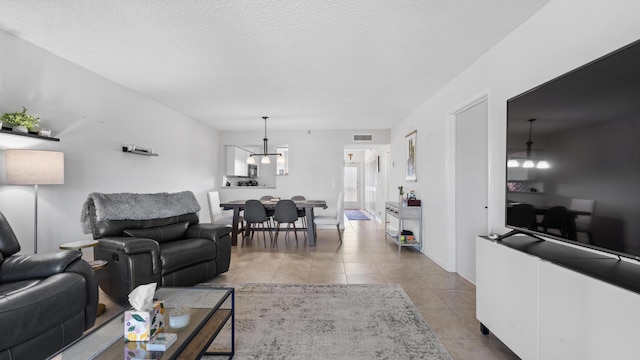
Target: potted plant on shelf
<point x="20" y="121"/>
<point x="401" y="193"/>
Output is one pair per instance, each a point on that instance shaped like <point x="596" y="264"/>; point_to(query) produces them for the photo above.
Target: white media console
<point x="550" y="301"/>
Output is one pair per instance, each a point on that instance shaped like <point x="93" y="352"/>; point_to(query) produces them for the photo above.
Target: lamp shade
<point x="542" y="164"/>
<point x="34" y="167"/>
<point x="513" y="163"/>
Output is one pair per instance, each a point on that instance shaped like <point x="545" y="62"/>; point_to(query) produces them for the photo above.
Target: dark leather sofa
<point x="46" y="300"/>
<point x="170" y="251"/>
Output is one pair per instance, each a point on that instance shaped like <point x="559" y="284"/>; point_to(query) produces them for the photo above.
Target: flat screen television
<point x="579" y="135"/>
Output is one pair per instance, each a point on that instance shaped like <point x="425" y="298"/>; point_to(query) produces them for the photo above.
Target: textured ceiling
<point x="317" y="64"/>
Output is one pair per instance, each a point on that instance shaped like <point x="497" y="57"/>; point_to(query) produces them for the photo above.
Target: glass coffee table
<point x="210" y="310"/>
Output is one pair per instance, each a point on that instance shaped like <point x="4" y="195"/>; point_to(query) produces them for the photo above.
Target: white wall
<point x="93" y="118"/>
<point x="315" y="162"/>
<point x="563" y="35"/>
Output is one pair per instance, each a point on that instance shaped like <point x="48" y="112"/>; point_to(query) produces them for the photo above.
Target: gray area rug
<point x="286" y="321"/>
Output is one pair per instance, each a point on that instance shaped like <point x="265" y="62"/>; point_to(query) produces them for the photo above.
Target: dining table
<point x="307" y="205"/>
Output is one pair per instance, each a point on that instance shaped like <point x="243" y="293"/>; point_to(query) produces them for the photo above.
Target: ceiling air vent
<point x="362" y="137"/>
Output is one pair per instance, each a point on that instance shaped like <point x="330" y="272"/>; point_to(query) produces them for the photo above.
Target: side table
<point x="95" y="264"/>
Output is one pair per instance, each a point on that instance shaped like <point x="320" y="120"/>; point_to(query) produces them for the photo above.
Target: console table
<point x="545" y="300"/>
<point x="402" y="214"/>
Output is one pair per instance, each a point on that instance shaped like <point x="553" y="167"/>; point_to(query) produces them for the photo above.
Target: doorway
<point x="471" y="184"/>
<point x="352" y="185"/>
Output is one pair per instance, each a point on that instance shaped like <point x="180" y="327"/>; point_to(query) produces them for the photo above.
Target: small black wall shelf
<point x="31" y="135"/>
<point x="138" y="151"/>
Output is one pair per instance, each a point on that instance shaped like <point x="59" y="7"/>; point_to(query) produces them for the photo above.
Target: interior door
<point x="352" y="185"/>
<point x="471" y="185"/>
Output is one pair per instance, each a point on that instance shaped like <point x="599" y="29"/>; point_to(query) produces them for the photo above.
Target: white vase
<point x="21" y="129"/>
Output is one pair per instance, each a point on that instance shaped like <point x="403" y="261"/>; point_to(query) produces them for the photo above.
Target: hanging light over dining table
<point x="265" y="150"/>
<point x="528" y="162"/>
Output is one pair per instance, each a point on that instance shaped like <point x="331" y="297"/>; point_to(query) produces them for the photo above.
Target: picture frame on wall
<point x="411" y="156"/>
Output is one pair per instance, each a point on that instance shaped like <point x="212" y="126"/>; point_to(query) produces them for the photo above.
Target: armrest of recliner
<point x="129" y="244"/>
<point x="207" y="231"/>
<point x="220" y="234"/>
<point x="133" y="245"/>
<point x="33" y="266"/>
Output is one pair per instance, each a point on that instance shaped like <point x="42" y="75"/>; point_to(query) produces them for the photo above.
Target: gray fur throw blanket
<point x="129" y="206"/>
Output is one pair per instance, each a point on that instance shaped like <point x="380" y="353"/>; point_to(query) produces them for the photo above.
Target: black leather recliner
<point x="46" y="300"/>
<point x="172" y="251"/>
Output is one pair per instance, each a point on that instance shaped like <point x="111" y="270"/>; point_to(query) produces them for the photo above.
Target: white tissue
<point x="141" y="298"/>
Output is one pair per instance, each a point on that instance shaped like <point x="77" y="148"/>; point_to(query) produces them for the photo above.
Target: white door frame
<point x="358" y="203"/>
<point x="450" y="169"/>
<point x="369" y="202"/>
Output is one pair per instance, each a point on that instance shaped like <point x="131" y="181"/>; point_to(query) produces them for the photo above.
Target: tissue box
<point x="143" y="325"/>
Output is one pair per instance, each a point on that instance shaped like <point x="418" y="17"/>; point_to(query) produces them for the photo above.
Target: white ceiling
<point x="317" y="64"/>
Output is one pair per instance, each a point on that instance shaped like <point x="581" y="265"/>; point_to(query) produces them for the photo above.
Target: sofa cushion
<point x="160" y="234"/>
<point x="184" y="253"/>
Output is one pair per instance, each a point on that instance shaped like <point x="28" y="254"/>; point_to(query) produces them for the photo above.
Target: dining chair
<point x="302" y="214"/>
<point x="556" y="217"/>
<point x="220" y="216"/>
<point x="255" y="216"/>
<point x="336" y="220"/>
<point x="583" y="222"/>
<point x="270" y="212"/>
<point x="217" y="214"/>
<point x="286" y="212"/>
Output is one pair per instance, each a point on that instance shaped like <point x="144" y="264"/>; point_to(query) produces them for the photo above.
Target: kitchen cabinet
<point x="237" y="161"/>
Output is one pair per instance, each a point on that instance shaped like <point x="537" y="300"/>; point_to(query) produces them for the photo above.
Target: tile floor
<point x="446" y="300"/>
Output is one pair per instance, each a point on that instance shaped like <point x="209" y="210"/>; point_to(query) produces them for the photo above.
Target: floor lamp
<point x="34" y="167"/>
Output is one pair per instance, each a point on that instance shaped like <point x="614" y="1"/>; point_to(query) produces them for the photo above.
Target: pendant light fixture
<point x="529" y="162"/>
<point x="265" y="154"/>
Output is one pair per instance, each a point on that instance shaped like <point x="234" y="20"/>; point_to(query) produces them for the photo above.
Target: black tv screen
<point x="579" y="135"/>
